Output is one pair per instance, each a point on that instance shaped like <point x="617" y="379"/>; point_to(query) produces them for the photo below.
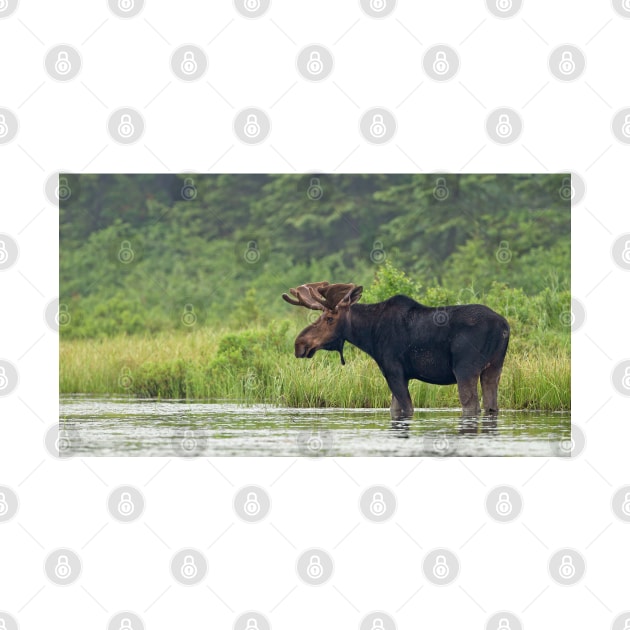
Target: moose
<point x="443" y="346"/>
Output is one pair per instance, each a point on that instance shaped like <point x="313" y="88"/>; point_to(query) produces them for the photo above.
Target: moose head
<point x="329" y="331"/>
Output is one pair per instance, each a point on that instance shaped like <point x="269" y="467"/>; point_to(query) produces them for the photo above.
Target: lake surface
<point x="130" y="427"/>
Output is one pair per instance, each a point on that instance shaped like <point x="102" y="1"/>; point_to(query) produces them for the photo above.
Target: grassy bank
<point x="258" y="365"/>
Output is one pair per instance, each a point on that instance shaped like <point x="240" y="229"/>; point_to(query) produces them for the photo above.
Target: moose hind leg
<point x="489" y="389"/>
<point x="468" y="394"/>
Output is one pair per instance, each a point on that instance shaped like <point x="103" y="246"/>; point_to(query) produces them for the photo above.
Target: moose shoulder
<point x="444" y="345"/>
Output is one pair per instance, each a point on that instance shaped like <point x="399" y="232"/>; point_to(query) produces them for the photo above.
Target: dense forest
<point x="141" y="252"/>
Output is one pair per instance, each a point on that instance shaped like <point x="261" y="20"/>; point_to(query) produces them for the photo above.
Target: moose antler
<point x="307" y="295"/>
<point x="334" y="293"/>
<point x="320" y="295"/>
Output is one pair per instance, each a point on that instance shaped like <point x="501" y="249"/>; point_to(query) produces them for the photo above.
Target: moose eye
<point x="329" y="320"/>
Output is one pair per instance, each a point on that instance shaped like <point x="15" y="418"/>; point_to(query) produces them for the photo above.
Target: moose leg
<point x="401" y="406"/>
<point x="394" y="408"/>
<point x="489" y="389"/>
<point x="468" y="395"/>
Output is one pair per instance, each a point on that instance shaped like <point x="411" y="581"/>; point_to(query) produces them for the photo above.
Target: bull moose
<point x="443" y="345"/>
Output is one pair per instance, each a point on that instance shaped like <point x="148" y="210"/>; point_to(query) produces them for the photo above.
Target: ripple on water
<point x="176" y="428"/>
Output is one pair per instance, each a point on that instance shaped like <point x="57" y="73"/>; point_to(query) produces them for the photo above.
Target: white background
<point x="315" y="127"/>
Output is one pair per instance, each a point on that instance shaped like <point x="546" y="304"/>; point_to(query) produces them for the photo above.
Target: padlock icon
<point x="4" y="129"/>
<point x="504" y="5"/>
<point x="625" y="506"/>
<point x="625" y="381"/>
<point x="189" y="64"/>
<point x="504" y="505"/>
<point x="377" y="255"/>
<point x="504" y="254"/>
<point x="315" y="443"/>
<point x="4" y="381"/>
<point x="125" y="5"/>
<point x="125" y="505"/>
<point x="189" y="191"/>
<point x="378" y="507"/>
<point x="315" y="569"/>
<point x="567" y="445"/>
<point x="314" y="64"/>
<point x="63" y="570"/>
<point x="252" y="127"/>
<point x="125" y="380"/>
<point x="62" y="316"/>
<point x="567" y="568"/>
<point x="625" y="129"/>
<point x="252" y="254"/>
<point x="441" y="444"/>
<point x="315" y="190"/>
<point x="62" y="443"/>
<point x="4" y="254"/>
<point x="378" y="624"/>
<point x="625" y="254"/>
<point x="378" y="128"/>
<point x="440" y="568"/>
<point x="189" y="442"/>
<point x="125" y="624"/>
<point x="378" y="5"/>
<point x="125" y="126"/>
<point x="504" y="126"/>
<point x="503" y="624"/>
<point x="63" y="190"/>
<point x="252" y="504"/>
<point x="567" y="191"/>
<point x="440" y="63"/>
<point x="4" y="506"/>
<point x="440" y="192"/>
<point x="567" y="64"/>
<point x="252" y="624"/>
<point x="125" y="253"/>
<point x="252" y="5"/>
<point x="189" y="318"/>
<point x="189" y="568"/>
<point x="63" y="65"/>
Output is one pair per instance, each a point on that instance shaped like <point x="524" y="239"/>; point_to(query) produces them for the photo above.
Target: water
<point x="130" y="427"/>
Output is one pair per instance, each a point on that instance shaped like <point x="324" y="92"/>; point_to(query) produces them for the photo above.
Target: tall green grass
<point x="258" y="365"/>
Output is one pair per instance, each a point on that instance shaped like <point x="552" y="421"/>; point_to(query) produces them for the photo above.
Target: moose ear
<point x="353" y="296"/>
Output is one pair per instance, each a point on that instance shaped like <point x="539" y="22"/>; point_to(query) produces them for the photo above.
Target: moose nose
<point x="301" y="350"/>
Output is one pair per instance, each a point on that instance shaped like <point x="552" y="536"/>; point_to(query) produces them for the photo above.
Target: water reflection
<point x="118" y="427"/>
<point x="468" y="425"/>
<point x="475" y="426"/>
